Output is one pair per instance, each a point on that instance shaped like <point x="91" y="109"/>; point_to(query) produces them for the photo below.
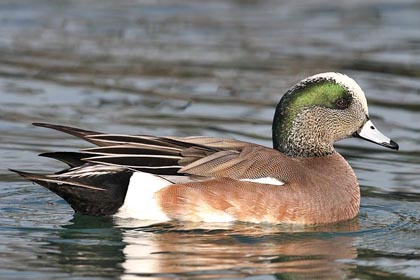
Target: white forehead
<point x="345" y="81"/>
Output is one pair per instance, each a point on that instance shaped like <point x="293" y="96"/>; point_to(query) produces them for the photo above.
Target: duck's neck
<point x="300" y="137"/>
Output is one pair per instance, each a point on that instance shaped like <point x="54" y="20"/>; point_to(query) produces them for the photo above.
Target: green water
<point x="203" y="68"/>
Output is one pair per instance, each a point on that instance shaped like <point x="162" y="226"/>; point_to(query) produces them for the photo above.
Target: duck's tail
<point x="92" y="190"/>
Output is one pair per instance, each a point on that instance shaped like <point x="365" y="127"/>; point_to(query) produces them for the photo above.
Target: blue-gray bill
<point x="370" y="133"/>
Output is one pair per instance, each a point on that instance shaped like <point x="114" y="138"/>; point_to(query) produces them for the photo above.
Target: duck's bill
<point x="370" y="133"/>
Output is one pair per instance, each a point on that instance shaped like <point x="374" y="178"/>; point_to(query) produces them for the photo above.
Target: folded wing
<point x="173" y="156"/>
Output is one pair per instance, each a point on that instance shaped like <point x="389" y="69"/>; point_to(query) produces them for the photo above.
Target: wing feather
<point x="198" y="155"/>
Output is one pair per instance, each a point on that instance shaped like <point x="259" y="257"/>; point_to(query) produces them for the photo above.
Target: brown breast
<point x="317" y="190"/>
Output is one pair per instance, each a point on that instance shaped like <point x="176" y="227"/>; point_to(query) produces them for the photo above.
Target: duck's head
<point x="320" y="110"/>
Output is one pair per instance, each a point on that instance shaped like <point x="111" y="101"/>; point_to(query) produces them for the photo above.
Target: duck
<point x="301" y="180"/>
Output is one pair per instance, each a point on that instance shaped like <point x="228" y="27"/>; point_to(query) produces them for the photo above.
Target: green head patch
<point x="313" y="93"/>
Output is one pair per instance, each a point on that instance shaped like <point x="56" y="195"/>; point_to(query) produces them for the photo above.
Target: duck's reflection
<point x="87" y="247"/>
<point x="223" y="251"/>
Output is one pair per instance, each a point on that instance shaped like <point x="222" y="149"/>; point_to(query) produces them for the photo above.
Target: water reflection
<point x="237" y="250"/>
<point x="171" y="255"/>
<point x="91" y="246"/>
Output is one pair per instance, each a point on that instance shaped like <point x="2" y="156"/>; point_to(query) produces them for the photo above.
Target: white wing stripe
<point x="265" y="180"/>
<point x="132" y="156"/>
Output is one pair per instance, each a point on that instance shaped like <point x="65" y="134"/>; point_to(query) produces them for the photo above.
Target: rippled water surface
<point x="214" y="68"/>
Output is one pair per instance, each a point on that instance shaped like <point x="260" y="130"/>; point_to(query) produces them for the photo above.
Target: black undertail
<point x="97" y="193"/>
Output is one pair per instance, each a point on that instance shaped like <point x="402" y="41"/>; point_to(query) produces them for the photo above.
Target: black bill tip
<point x="392" y="145"/>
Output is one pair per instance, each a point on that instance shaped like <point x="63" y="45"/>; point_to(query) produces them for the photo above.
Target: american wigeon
<point x="301" y="180"/>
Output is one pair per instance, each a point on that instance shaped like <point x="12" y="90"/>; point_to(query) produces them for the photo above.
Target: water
<point x="204" y="68"/>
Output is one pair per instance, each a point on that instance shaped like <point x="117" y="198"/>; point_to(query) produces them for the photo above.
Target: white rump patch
<point x="266" y="180"/>
<point x="140" y="201"/>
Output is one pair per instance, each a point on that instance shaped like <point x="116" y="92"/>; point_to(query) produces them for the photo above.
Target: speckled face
<point x="316" y="112"/>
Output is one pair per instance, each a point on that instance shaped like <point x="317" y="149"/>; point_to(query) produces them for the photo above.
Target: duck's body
<point x="226" y="199"/>
<point x="303" y="180"/>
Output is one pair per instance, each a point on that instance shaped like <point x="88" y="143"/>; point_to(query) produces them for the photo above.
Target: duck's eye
<point x="342" y="103"/>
